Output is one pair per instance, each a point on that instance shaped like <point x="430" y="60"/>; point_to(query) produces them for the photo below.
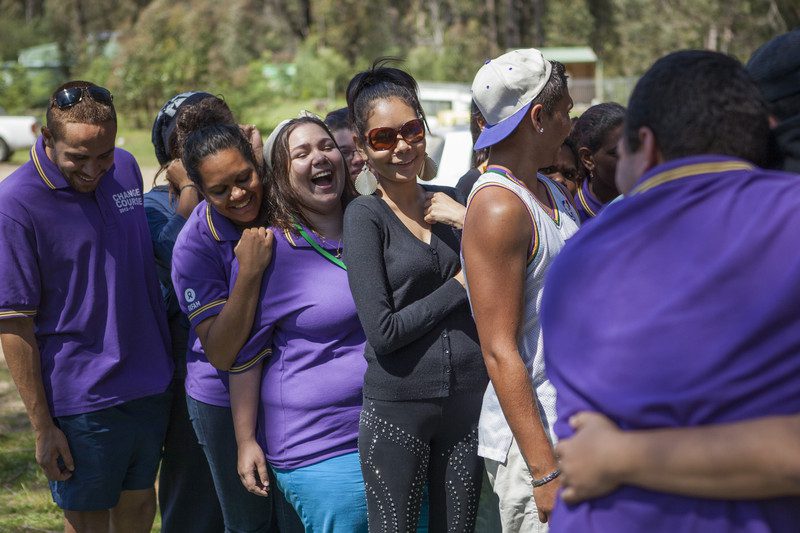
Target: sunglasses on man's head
<point x="381" y="139"/>
<point x="66" y="98"/>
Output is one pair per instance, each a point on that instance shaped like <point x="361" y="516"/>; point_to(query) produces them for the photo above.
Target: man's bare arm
<point x="22" y="355"/>
<point x="744" y="460"/>
<point x="495" y="244"/>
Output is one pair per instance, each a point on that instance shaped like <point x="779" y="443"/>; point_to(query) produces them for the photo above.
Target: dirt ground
<point x="6" y="169"/>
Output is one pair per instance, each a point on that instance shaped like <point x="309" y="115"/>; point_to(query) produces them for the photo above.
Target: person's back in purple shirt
<point x="688" y="313"/>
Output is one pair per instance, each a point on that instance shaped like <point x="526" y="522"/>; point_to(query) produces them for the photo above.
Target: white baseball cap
<point x="503" y="89"/>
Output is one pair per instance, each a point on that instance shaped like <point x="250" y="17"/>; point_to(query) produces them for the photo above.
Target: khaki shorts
<point x="511" y="481"/>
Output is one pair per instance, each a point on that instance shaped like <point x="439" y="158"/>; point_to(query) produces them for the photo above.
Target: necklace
<point x="328" y="244"/>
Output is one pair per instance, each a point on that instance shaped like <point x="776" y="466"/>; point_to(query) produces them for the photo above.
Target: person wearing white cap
<point x="517" y="221"/>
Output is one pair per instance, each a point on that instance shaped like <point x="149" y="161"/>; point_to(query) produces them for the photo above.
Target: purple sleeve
<point x="259" y="344"/>
<point x="248" y="357"/>
<point x="20" y="290"/>
<point x="199" y="277"/>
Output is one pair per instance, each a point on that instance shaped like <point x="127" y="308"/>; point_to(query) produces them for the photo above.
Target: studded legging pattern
<point x="404" y="445"/>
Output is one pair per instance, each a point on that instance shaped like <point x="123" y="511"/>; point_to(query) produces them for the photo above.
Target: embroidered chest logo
<point x="128" y="200"/>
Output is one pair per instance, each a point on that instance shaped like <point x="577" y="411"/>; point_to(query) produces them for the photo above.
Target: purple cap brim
<point x="494" y="134"/>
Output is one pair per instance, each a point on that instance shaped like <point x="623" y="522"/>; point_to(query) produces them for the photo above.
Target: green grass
<point x="26" y="505"/>
<point x="137" y="142"/>
<point x="25" y="501"/>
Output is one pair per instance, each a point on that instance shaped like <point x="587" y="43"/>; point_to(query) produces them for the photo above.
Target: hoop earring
<point x="366" y="183"/>
<point x="429" y="169"/>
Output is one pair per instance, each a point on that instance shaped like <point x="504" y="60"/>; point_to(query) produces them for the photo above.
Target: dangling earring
<point x="429" y="169"/>
<point x="366" y="182"/>
<point x="541" y="130"/>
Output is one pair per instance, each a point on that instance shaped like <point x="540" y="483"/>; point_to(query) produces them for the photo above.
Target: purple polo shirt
<point x="81" y="265"/>
<point x="201" y="275"/>
<point x="312" y="381"/>
<point x="586" y="204"/>
<point x="689" y="292"/>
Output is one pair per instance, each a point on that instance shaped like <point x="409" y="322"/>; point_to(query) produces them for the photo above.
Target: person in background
<point x="425" y="375"/>
<point x="296" y="383"/>
<point x="186" y="495"/>
<point x="672" y="274"/>
<point x="82" y="321"/>
<point x="595" y="135"/>
<point x="479" y="157"/>
<point x="565" y="170"/>
<point x="341" y="127"/>
<point x="517" y="221"/>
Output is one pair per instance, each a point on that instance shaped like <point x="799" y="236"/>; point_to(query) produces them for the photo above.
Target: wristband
<point x="546" y="479"/>
<point x="192" y="185"/>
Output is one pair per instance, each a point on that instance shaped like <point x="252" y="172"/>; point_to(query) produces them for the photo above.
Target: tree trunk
<point x="491" y="27"/>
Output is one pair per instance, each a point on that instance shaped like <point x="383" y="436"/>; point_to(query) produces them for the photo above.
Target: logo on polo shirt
<point x="128" y="200"/>
<point x="189" y="295"/>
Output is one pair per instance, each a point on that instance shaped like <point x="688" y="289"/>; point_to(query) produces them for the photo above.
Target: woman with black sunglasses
<point x="425" y="376"/>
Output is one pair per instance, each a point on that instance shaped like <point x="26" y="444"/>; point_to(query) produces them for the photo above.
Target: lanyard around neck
<point x="319" y="249"/>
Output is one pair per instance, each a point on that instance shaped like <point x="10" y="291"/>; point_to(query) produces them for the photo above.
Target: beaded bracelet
<point x="546" y="479"/>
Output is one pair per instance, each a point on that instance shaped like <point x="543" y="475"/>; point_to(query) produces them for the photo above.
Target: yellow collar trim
<point x="38" y="165"/>
<point x="289" y="238"/>
<point x="689" y="170"/>
<point x="582" y="200"/>
<point x="211" y="223"/>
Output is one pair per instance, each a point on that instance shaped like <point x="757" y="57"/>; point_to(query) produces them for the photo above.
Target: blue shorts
<point x="114" y="449"/>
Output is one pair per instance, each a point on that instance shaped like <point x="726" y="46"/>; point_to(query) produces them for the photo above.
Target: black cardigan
<point x="421" y="339"/>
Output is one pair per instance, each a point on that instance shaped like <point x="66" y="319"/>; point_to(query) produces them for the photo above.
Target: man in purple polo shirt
<point x="82" y="324"/>
<point x="689" y="313"/>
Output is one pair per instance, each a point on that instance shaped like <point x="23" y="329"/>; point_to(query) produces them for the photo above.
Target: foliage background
<point x="145" y="51"/>
<point x="160" y="47"/>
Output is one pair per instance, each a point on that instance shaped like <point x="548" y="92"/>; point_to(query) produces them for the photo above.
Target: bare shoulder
<point x="498" y="214"/>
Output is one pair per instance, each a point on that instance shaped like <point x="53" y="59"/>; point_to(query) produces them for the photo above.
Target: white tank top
<point x="551" y="228"/>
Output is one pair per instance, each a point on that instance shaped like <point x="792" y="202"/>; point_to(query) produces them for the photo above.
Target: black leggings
<point x="404" y="444"/>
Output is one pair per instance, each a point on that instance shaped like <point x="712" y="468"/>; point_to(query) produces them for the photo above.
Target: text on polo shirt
<point x="127" y="200"/>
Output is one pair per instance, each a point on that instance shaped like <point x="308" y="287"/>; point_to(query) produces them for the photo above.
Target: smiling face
<point x="403" y="162"/>
<point x="82" y="152"/>
<point x="316" y="168"/>
<point x="352" y="156"/>
<point x="231" y="184"/>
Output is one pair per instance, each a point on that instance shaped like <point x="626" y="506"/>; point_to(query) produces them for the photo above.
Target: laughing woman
<point x="229" y="225"/>
<point x="296" y="386"/>
<point x="425" y="378"/>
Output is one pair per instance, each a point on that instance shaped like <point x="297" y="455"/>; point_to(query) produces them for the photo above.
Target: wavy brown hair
<point x="288" y="207"/>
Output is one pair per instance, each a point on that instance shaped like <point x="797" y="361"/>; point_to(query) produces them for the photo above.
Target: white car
<point x="16" y="133"/>
<point x="451" y="149"/>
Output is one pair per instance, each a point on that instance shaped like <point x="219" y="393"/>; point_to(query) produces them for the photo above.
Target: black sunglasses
<point x="66" y="98"/>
